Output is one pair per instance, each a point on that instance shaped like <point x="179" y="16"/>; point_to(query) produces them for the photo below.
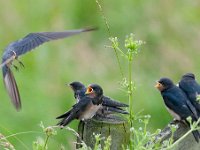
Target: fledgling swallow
<point x="22" y="46"/>
<point x="86" y="108"/>
<point x="177" y="103"/>
<point x="109" y="105"/>
<point x="191" y="88"/>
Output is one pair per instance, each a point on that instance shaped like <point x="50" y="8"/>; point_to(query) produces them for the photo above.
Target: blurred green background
<point x="169" y="28"/>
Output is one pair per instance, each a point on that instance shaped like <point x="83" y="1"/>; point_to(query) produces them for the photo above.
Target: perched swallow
<point x="20" y="47"/>
<point x="177" y="103"/>
<point x="109" y="105"/>
<point x="192" y="89"/>
<point x="86" y="108"/>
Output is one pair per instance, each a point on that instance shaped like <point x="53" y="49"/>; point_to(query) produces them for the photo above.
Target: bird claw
<point x="21" y="64"/>
<point x="16" y="68"/>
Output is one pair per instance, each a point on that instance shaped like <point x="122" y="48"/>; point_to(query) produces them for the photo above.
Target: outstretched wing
<point x="33" y="40"/>
<point x="22" y="46"/>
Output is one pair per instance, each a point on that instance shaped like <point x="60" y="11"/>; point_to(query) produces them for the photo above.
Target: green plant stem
<point x="19" y="133"/>
<point x="46" y="140"/>
<point x="180" y="139"/>
<point x="109" y="33"/>
<point x="119" y="64"/>
<point x="130" y="91"/>
<point x="186" y="134"/>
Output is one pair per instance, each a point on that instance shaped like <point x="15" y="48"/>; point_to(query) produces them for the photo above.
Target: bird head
<point x="189" y="76"/>
<point x="94" y="91"/>
<point x="76" y="85"/>
<point x="163" y="84"/>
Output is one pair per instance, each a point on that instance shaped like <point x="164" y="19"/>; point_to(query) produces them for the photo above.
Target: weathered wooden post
<point x="116" y="127"/>
<point x="188" y="143"/>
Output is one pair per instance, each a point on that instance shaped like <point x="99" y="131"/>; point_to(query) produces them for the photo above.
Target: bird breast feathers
<point x="90" y="112"/>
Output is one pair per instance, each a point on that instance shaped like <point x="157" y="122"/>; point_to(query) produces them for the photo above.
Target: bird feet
<point x="20" y="63"/>
<point x="16" y="68"/>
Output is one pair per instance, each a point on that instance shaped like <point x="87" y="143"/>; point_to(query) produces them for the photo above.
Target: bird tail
<point x="196" y="135"/>
<point x="65" y="115"/>
<point x="11" y="87"/>
<point x="67" y="118"/>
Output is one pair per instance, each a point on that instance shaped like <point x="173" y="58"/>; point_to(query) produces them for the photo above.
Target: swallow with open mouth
<point x="108" y="106"/>
<point x="86" y="108"/>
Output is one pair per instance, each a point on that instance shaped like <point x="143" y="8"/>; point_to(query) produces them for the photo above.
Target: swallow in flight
<point x="22" y="46"/>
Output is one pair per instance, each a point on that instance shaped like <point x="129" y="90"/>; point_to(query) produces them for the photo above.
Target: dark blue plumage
<point x="22" y="46"/>
<point x="86" y="108"/>
<point x="177" y="103"/>
<point x="108" y="103"/>
<point x="79" y="89"/>
<point x="192" y="89"/>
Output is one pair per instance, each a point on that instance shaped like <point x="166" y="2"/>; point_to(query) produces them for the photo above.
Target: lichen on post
<point x="116" y="127"/>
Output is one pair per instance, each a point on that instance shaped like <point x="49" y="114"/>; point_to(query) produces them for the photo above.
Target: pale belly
<point x="176" y="116"/>
<point x="90" y="112"/>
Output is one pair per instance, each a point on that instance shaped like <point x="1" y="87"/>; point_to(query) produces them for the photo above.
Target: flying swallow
<point x="86" y="108"/>
<point x="177" y="103"/>
<point x="192" y="89"/>
<point x="109" y="105"/>
<point x="22" y="46"/>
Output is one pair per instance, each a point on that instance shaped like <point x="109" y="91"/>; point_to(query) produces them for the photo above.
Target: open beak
<point x="89" y="90"/>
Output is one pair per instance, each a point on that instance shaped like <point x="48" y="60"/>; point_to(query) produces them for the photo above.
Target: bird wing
<point x="192" y="109"/>
<point x="178" y="105"/>
<point x="33" y="40"/>
<point x="107" y="101"/>
<point x="11" y="87"/>
<point x="113" y="109"/>
<point x="74" y="113"/>
<point x="191" y="89"/>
